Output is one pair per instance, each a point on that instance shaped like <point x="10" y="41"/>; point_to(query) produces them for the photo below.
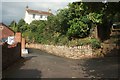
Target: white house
<point x="31" y="15"/>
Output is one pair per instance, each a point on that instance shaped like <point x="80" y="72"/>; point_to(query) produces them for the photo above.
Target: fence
<point x="10" y="54"/>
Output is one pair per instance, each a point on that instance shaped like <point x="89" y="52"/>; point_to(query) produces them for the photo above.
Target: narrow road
<point x="38" y="64"/>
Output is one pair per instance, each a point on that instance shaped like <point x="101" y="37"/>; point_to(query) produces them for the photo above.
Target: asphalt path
<point x="39" y="64"/>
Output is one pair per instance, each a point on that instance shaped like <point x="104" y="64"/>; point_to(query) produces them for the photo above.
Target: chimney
<point x="27" y="7"/>
<point x="49" y="10"/>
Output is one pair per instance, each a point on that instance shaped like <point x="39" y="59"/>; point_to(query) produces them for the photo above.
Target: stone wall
<point x="10" y="54"/>
<point x="77" y="52"/>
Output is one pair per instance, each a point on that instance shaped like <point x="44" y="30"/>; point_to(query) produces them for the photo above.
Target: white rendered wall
<point x="29" y="17"/>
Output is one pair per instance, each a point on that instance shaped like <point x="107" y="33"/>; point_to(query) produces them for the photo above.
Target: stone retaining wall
<point x="77" y="52"/>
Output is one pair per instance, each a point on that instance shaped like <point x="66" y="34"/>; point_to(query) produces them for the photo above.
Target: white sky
<point x="15" y="9"/>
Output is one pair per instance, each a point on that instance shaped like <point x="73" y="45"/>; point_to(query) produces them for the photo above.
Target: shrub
<point x="55" y="40"/>
<point x="73" y="43"/>
<point x="95" y="43"/>
<point x="63" y="40"/>
<point x="78" y="29"/>
<point x="89" y="41"/>
<point x="83" y="41"/>
<point x="28" y="36"/>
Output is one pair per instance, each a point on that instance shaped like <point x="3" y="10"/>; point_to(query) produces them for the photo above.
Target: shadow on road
<point x="114" y="52"/>
<point x="108" y="66"/>
<point x="37" y="51"/>
<point x="18" y="70"/>
<point x="102" y="67"/>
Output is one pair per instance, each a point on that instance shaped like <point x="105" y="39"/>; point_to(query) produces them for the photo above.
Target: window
<point x="45" y="16"/>
<point x="33" y="15"/>
<point x="1" y="27"/>
<point x="41" y="16"/>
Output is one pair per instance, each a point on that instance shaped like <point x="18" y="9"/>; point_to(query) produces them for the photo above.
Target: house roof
<point x="38" y="12"/>
<point x="6" y="31"/>
<point x="2" y="24"/>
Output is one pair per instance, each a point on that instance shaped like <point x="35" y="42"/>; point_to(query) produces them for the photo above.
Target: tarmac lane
<point x="39" y="64"/>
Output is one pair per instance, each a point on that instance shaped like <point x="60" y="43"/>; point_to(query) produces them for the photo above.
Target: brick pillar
<point x="18" y="40"/>
<point x="18" y="37"/>
<point x="1" y="28"/>
<point x="23" y="43"/>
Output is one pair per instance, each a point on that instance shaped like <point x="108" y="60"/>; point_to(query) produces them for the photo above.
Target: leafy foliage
<point x="21" y="25"/>
<point x="95" y="17"/>
<point x="70" y="25"/>
<point x="95" y="43"/>
<point x="78" y="29"/>
<point x="13" y="25"/>
<point x="79" y="22"/>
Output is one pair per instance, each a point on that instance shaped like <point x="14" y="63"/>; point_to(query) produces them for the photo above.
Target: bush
<point x="73" y="43"/>
<point x="63" y="40"/>
<point x="55" y="40"/>
<point x="78" y="29"/>
<point x="86" y="41"/>
<point x="95" y="43"/>
<point x="79" y="42"/>
<point x="28" y="36"/>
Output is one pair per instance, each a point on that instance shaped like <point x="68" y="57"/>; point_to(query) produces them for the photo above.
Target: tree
<point x="78" y="20"/>
<point x="78" y="29"/>
<point x="21" y="24"/>
<point x="63" y="20"/>
<point x="13" y="26"/>
<point x="53" y="24"/>
<point x="24" y="27"/>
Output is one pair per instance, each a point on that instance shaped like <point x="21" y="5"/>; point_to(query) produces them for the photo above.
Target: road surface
<point x="39" y="64"/>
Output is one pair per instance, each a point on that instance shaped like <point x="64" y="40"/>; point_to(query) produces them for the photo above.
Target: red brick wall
<point x="18" y="37"/>
<point x="23" y="43"/>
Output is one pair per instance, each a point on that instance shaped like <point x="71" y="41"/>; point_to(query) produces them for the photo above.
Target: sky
<point x="15" y="10"/>
<point x="11" y="10"/>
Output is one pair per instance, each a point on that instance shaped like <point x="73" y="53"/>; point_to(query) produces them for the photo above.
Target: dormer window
<point x="33" y="15"/>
